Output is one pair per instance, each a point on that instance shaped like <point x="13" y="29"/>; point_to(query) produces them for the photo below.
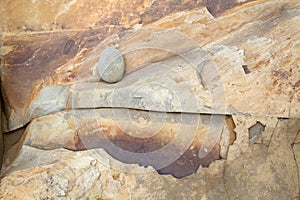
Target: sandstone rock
<point x="52" y="50"/>
<point x="275" y="178"/>
<point x="271" y="80"/>
<point x="163" y="141"/>
<point x="82" y="15"/>
<point x="69" y="174"/>
<point x="236" y="69"/>
<point x="111" y="65"/>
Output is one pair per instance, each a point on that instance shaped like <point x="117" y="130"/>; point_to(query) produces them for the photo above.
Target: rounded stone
<point x="111" y="65"/>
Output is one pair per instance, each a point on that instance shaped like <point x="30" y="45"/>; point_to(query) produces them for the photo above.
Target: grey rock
<point x="50" y="99"/>
<point x="111" y="65"/>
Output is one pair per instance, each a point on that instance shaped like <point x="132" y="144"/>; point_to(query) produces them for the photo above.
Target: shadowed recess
<point x="180" y="159"/>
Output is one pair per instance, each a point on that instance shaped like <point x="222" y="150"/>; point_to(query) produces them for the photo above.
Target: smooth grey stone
<point x="111" y="65"/>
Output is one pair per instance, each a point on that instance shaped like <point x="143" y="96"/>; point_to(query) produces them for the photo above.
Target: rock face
<point x="164" y="141"/>
<point x="208" y="108"/>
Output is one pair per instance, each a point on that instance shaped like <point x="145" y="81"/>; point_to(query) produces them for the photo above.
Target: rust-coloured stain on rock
<point x="187" y="164"/>
<point x="36" y="57"/>
<point x="217" y="7"/>
<point x="29" y="64"/>
<point x="184" y="165"/>
<point x="160" y="9"/>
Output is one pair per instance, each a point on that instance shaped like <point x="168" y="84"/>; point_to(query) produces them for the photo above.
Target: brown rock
<point x="70" y="174"/>
<point x="168" y="142"/>
<point x="80" y="14"/>
<point x="236" y="63"/>
<point x="270" y="77"/>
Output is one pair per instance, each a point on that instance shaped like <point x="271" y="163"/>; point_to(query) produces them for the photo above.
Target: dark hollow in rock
<point x="246" y="70"/>
<point x="255" y="132"/>
<point x="180" y="160"/>
<point x="70" y="48"/>
<point x="187" y="164"/>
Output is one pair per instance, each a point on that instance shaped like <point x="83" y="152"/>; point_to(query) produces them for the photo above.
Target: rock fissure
<point x="273" y="132"/>
<point x="297" y="164"/>
<point x="223" y="178"/>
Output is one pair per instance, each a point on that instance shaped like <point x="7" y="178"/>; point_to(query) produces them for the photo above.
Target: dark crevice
<point x="154" y="111"/>
<point x="1" y="121"/>
<point x="12" y="143"/>
<point x="255" y="132"/>
<point x="246" y="70"/>
<point x="4" y="111"/>
<point x="13" y="137"/>
<point x="273" y="132"/>
<point x="68" y="109"/>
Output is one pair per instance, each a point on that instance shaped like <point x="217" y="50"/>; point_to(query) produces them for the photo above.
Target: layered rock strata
<point x="210" y="96"/>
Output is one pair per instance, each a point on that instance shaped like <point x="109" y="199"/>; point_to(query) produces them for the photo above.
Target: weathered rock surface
<point x="164" y="141"/>
<point x="268" y="76"/>
<point x="79" y="175"/>
<point x="79" y="14"/>
<point x="67" y="174"/>
<point x="215" y="81"/>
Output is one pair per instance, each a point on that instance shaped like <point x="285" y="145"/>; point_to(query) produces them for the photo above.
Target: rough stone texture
<point x="274" y="167"/>
<point x="233" y="60"/>
<point x="270" y="72"/>
<point x="131" y="132"/>
<point x="27" y="16"/>
<point x="72" y="175"/>
<point x="69" y="174"/>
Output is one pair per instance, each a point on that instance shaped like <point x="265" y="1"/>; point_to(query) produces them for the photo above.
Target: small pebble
<point x="111" y="65"/>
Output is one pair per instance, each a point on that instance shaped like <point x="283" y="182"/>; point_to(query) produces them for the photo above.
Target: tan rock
<point x="80" y="175"/>
<point x="238" y="67"/>
<point x="94" y="173"/>
<point x="262" y="164"/>
<point x="81" y="14"/>
<point x="267" y="76"/>
<point x="42" y="53"/>
<point x="163" y="140"/>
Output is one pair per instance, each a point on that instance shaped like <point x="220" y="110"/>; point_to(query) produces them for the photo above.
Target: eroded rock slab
<point x="225" y="67"/>
<point x="69" y="175"/>
<point x="174" y="144"/>
<point x="240" y="66"/>
<point x="269" y="161"/>
<point x="95" y="174"/>
<point x="78" y="14"/>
